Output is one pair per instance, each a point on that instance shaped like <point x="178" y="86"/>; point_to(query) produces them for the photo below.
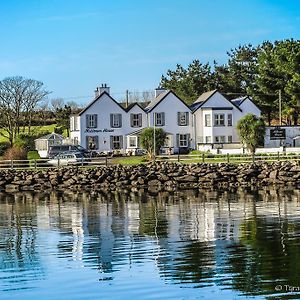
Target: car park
<point x="69" y="159"/>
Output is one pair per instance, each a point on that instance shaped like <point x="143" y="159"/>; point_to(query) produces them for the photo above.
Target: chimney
<point x="100" y="89"/>
<point x="159" y="90"/>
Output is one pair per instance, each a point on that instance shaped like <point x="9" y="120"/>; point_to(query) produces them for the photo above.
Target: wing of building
<point x="105" y="125"/>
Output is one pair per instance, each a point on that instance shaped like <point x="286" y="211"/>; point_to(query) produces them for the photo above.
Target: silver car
<point x="68" y="159"/>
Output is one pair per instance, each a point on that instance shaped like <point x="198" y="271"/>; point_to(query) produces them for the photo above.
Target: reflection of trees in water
<point x="241" y="239"/>
<point x="19" y="257"/>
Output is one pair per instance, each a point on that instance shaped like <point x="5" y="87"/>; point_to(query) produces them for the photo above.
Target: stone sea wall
<point x="159" y="176"/>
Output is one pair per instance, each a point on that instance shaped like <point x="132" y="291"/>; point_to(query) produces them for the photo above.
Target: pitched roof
<point x="142" y="105"/>
<point x="97" y="98"/>
<point x="239" y="101"/>
<point x="205" y="97"/>
<point x="51" y="136"/>
<point x="160" y="98"/>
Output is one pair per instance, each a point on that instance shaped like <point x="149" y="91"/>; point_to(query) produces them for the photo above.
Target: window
<point x="136" y="120"/>
<point x="115" y="120"/>
<point x="207" y="119"/>
<point x="229" y="120"/>
<point x="76" y="141"/>
<point x="229" y="139"/>
<point x="133" y="142"/>
<point x="220" y="139"/>
<point x="159" y="119"/>
<point x="219" y="120"/>
<point x="208" y="139"/>
<point x="91" y="121"/>
<point x="92" y="142"/>
<point x="183" y="118"/>
<point x="183" y="140"/>
<point x="116" y="142"/>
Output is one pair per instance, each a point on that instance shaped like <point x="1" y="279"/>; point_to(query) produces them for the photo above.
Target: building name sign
<point x="93" y="130"/>
<point x="277" y="134"/>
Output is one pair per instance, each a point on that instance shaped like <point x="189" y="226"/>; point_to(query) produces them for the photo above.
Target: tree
<point x="19" y="98"/>
<point x="147" y="140"/>
<point x="57" y="103"/>
<point x="189" y="83"/>
<point x="62" y="116"/>
<point x="251" y="130"/>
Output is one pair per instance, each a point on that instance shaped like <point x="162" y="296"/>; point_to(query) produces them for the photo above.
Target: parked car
<point x="69" y="159"/>
<point x="57" y="149"/>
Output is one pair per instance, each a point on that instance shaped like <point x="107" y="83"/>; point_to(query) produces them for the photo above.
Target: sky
<point x="75" y="45"/>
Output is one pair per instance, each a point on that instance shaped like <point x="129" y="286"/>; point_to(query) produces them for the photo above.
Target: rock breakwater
<point x="159" y="176"/>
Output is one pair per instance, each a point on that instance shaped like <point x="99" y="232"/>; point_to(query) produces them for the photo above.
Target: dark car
<point x="57" y="149"/>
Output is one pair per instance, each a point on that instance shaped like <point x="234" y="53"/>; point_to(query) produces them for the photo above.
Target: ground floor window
<point x="220" y="139"/>
<point x="133" y="142"/>
<point x="208" y="139"/>
<point x="183" y="140"/>
<point x="92" y="142"/>
<point x="116" y="142"/>
<point x="76" y="142"/>
<point x="229" y="139"/>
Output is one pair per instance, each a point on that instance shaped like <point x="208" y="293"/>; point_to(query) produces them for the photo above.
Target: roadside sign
<point x="277" y="134"/>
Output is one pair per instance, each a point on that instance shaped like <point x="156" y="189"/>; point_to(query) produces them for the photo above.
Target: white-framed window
<point x="91" y="121"/>
<point x="229" y="139"/>
<point x="207" y="119"/>
<point x="183" y="140"/>
<point x="219" y="119"/>
<point x="208" y="139"/>
<point x="229" y="120"/>
<point x="76" y="141"/>
<point x="133" y="142"/>
<point x="159" y="119"/>
<point x="116" y="142"/>
<point x="92" y="142"/>
<point x="219" y="139"/>
<point x="183" y="118"/>
<point x="136" y="120"/>
<point x="115" y="120"/>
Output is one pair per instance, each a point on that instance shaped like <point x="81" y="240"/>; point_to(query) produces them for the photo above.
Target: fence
<point x="53" y="163"/>
<point x="105" y="161"/>
<point x="229" y="158"/>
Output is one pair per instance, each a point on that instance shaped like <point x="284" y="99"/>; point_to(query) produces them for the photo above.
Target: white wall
<point x="170" y="106"/>
<point x="291" y="132"/>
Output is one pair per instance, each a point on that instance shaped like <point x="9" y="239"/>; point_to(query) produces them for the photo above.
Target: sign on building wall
<point x="277" y="134"/>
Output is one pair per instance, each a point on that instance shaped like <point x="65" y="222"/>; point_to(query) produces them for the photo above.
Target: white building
<point x="106" y="125"/>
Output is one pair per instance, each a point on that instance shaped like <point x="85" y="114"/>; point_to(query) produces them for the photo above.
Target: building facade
<point x="105" y="125"/>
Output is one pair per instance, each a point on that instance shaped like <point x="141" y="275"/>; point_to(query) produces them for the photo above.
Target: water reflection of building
<point x="185" y="233"/>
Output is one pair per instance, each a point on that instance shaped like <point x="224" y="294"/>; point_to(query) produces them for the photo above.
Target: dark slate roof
<point x="239" y="101"/>
<point x="142" y="105"/>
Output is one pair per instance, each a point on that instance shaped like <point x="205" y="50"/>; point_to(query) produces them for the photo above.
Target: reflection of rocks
<point x="157" y="176"/>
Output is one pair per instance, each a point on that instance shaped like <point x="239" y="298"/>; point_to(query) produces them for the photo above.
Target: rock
<point x="154" y="182"/>
<point x="273" y="174"/>
<point x="9" y="188"/>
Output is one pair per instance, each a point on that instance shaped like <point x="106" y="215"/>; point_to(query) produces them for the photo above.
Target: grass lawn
<point x="34" y="129"/>
<point x="129" y="160"/>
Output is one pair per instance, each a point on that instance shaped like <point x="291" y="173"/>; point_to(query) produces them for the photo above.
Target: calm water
<point x="183" y="245"/>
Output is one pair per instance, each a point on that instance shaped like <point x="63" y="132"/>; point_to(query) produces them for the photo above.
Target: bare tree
<point x="56" y="104"/>
<point x="19" y="98"/>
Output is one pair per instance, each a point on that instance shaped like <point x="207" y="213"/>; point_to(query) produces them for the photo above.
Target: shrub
<point x="15" y="153"/>
<point x="33" y="155"/>
<point x="26" y="141"/>
<point x="3" y="147"/>
<point x="58" y="130"/>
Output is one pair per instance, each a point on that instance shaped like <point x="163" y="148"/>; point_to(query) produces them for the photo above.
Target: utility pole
<point x="280" y="123"/>
<point x="154" y="137"/>
<point x="127" y="98"/>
